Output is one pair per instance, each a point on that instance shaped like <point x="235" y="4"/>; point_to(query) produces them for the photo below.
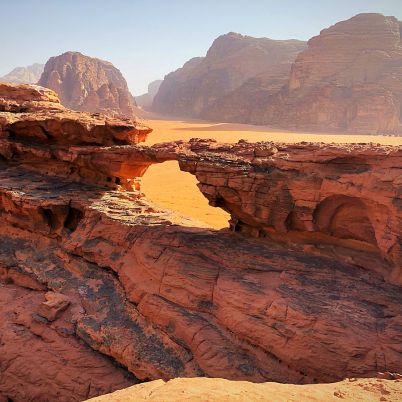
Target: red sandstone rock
<point x="35" y="113"/>
<point x="328" y="194"/>
<point x="87" y="84"/>
<point x="341" y="200"/>
<point x="182" y="308"/>
<point x="166" y="299"/>
<point x="27" y="98"/>
<point x="40" y="361"/>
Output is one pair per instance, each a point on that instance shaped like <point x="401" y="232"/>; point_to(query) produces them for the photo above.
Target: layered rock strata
<point x="113" y="275"/>
<point x="350" y="77"/>
<point x="343" y="201"/>
<point x="88" y="84"/>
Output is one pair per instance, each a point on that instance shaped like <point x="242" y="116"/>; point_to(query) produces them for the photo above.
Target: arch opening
<point x="345" y="218"/>
<point x="170" y="188"/>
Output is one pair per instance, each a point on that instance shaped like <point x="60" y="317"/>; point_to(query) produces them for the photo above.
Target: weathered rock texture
<point x="349" y="78"/>
<point x="42" y="360"/>
<point x="217" y="390"/>
<point x="145" y="101"/>
<point x="196" y="89"/>
<point x="24" y="75"/>
<point x="87" y="84"/>
<point x="168" y="300"/>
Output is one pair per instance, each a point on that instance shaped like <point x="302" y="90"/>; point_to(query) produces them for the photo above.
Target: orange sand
<point x="170" y="188"/>
<point x="219" y="390"/>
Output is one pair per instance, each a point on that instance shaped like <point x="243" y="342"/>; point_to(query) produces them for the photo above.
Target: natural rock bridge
<point x="311" y="293"/>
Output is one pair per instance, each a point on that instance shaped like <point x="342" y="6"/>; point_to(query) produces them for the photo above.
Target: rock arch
<point x="166" y="185"/>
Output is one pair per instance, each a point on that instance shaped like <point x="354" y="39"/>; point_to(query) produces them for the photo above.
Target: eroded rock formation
<point x="84" y="256"/>
<point x="88" y="84"/>
<point x="196" y="89"/>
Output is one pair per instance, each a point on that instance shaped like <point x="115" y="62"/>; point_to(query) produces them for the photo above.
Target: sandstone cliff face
<point x="145" y="101"/>
<point x="232" y="60"/>
<point x="246" y="103"/>
<point x="84" y="256"/>
<point x="349" y="79"/>
<point x="24" y="75"/>
<point x="87" y="84"/>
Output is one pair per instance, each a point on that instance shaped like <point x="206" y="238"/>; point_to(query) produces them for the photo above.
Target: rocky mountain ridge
<point x="230" y="62"/>
<point x="348" y="79"/>
<point x="24" y="75"/>
<point x="88" y="84"/>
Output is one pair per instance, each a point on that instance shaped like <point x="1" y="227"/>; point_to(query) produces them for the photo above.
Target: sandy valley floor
<point x="168" y="187"/>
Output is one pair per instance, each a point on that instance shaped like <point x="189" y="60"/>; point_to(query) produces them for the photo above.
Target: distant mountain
<point x="24" y="75"/>
<point x="145" y="100"/>
<point x="196" y="89"/>
<point x="88" y="84"/>
<point x="348" y="79"/>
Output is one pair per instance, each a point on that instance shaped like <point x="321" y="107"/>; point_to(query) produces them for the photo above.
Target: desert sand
<point x="219" y="390"/>
<point x="165" y="184"/>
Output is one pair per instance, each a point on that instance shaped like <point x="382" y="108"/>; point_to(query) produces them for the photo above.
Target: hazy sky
<point x="147" y="39"/>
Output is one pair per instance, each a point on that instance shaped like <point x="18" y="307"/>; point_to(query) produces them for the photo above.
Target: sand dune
<point x="170" y="188"/>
